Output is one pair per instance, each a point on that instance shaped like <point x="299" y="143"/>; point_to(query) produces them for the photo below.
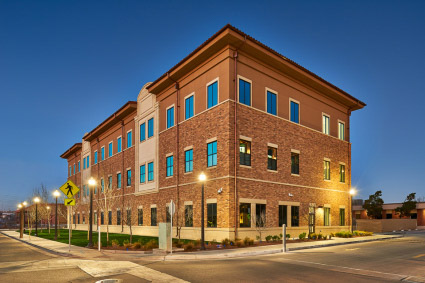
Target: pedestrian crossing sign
<point x="69" y="202"/>
<point x="69" y="189"/>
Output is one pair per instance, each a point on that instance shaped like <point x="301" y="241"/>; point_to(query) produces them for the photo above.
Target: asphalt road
<point x="384" y="261"/>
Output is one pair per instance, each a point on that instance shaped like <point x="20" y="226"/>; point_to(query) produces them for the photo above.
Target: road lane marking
<point x="418" y="256"/>
<point x="352" y="249"/>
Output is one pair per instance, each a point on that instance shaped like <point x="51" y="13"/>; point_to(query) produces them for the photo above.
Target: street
<point x="394" y="260"/>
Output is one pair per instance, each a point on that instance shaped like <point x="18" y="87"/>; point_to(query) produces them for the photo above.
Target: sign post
<point x="284" y="238"/>
<point x="70" y="190"/>
<point x="99" y="243"/>
<point x="172" y="209"/>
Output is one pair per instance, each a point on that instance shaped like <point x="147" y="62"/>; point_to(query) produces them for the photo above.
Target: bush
<point x="275" y="238"/>
<point x="268" y="238"/>
<point x="287" y="236"/>
<point x="248" y="241"/>
<point x="225" y="242"/>
<point x="320" y="236"/>
<point x="189" y="247"/>
<point x="344" y="234"/>
<point x="152" y="244"/>
<point x="239" y="243"/>
<point x="312" y="236"/>
<point x="302" y="236"/>
<point x="179" y="244"/>
<point x="137" y="245"/>
<point x="115" y="243"/>
<point x="196" y="243"/>
<point x="126" y="244"/>
<point x="362" y="233"/>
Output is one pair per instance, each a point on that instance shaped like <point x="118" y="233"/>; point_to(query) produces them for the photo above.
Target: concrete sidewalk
<point x="63" y="249"/>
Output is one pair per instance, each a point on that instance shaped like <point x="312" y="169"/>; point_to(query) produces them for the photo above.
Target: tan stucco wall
<point x="385" y="225"/>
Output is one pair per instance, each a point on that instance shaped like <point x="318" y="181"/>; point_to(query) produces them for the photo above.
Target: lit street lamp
<point x="21" y="208"/>
<point x="92" y="183"/>
<point x="353" y="192"/>
<point x="36" y="200"/>
<point x="56" y="194"/>
<point x="202" y="178"/>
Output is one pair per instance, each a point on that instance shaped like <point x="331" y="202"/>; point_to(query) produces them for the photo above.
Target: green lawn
<point x="79" y="238"/>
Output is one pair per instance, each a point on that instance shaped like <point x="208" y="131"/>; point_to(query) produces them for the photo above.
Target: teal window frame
<point x="212" y="94"/>
<point x="150" y="128"/>
<point x="170" y="161"/>
<point x="119" y="144"/>
<point x="245" y="92"/>
<point x="170" y="117"/>
<point x="189" y="107"/>
<point x="212" y="154"/>
<point x="150" y="172"/>
<point x="188" y="160"/>
<point x="142" y="174"/>
<point x="142" y="132"/>
<point x="129" y="139"/>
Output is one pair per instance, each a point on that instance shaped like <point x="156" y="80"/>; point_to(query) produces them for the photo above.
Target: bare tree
<point x="106" y="202"/>
<point x="130" y="205"/>
<point x="184" y="217"/>
<point x="260" y="224"/>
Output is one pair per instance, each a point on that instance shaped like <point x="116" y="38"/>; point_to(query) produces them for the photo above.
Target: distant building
<point x="7" y="219"/>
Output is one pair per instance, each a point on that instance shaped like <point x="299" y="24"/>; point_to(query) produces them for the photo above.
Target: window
<point x="283" y="215"/>
<point x="119" y="181"/>
<point x="325" y="124"/>
<point x="326" y="170"/>
<point x="295" y="216"/>
<point x="272" y="158"/>
<point x="84" y="163"/>
<point x="140" y="216"/>
<point x="129" y="217"/>
<point x="110" y="149"/>
<point x="245" y="152"/>
<point x="212" y="153"/>
<point x="153" y="216"/>
<point x="95" y="157"/>
<point x="129" y="139"/>
<point x="244" y="92"/>
<point x="188" y="107"/>
<point x="341" y="131"/>
<point x="295" y="112"/>
<point x="150" y="127"/>
<point x="70" y="170"/>
<point x="169" y="166"/>
<point x="79" y="166"/>
<point x="102" y="153"/>
<point x="212" y="94"/>
<point x="142" y="132"/>
<point x="119" y="144"/>
<point x="118" y="217"/>
<point x="74" y="168"/>
<point x="142" y="173"/>
<point x="95" y="189"/>
<point x="88" y="161"/>
<point x="389" y="216"/>
<point x="342" y="173"/>
<point x="188" y="160"/>
<point x="245" y="215"/>
<point x="326" y="214"/>
<point x="188" y="215"/>
<point x="109" y="217"/>
<point x="150" y="171"/>
<point x="358" y="216"/>
<point x="260" y="215"/>
<point x="342" y="217"/>
<point x="414" y="215"/>
<point x="102" y="184"/>
<point x="129" y="177"/>
<point x="211" y="215"/>
<point x="271" y="103"/>
<point x="110" y="182"/>
<point x="95" y="218"/>
<point x="84" y="219"/>
<point x="102" y="218"/>
<point x="73" y="219"/>
<point x="295" y="163"/>
<point x="170" y="117"/>
<point x="78" y="218"/>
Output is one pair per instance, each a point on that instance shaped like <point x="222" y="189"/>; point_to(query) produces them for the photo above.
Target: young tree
<point x="260" y="224"/>
<point x="408" y="205"/>
<point x="130" y="205"/>
<point x="373" y="205"/>
<point x="107" y="200"/>
<point x="183" y="217"/>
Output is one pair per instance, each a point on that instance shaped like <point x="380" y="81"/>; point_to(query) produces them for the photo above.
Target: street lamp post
<point x="92" y="183"/>
<point x="24" y="204"/>
<point x="36" y="200"/>
<point x="352" y="193"/>
<point x="21" y="220"/>
<point x="56" y="194"/>
<point x="202" y="178"/>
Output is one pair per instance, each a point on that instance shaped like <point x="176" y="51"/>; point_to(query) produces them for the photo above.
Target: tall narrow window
<point x="129" y="217"/>
<point x="244" y="92"/>
<point x="142" y="132"/>
<point x="70" y="170"/>
<point x="271" y="103"/>
<point x="188" y="107"/>
<point x="153" y="216"/>
<point x="109" y="217"/>
<point x="212" y="94"/>
<point x="129" y="139"/>
<point x="169" y="166"/>
<point x="150" y="171"/>
<point x="102" y="184"/>
<point x="140" y="216"/>
<point x="325" y="124"/>
<point x="79" y="166"/>
<point x="295" y="216"/>
<point x="327" y="214"/>
<point x="283" y="215"/>
<point x="342" y="217"/>
<point x="260" y="215"/>
<point x="245" y="215"/>
<point x="341" y="131"/>
<point x="110" y="182"/>
<point x="212" y="153"/>
<point x="170" y="117"/>
<point x="188" y="160"/>
<point x="342" y="173"/>
<point x="150" y="127"/>
<point x="95" y="157"/>
<point x="118" y="217"/>
<point x="102" y="218"/>
<point x="211" y="215"/>
<point x="142" y="173"/>
<point x="74" y="168"/>
<point x="110" y="149"/>
<point x="129" y="177"/>
<point x="102" y="153"/>
<point x="326" y="170"/>
<point x="84" y="163"/>
<point x="295" y="112"/>
<point x="272" y="158"/>
<point x="295" y="163"/>
<point x="119" y="180"/>
<point x="245" y="152"/>
<point x="188" y="215"/>
<point x="119" y="144"/>
<point x="88" y="161"/>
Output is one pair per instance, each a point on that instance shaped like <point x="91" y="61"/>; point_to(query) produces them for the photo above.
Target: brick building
<point x="272" y="137"/>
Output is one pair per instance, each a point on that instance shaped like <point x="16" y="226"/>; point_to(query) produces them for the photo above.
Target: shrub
<point x="225" y="242"/>
<point x="312" y="236"/>
<point x="152" y="244"/>
<point x="302" y="236"/>
<point x="275" y="238"/>
<point x="287" y="236"/>
<point x="344" y="234"/>
<point x="268" y="238"/>
<point x="320" y="236"/>
<point x="126" y="244"/>
<point x="246" y="241"/>
<point x="362" y="233"/>
<point x="189" y="247"/>
<point x="196" y="243"/>
<point x="239" y="243"/>
<point x="179" y="244"/>
<point x="115" y="243"/>
<point x="137" y="245"/>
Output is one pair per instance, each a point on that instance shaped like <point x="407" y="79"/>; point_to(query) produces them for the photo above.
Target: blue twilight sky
<point x="67" y="65"/>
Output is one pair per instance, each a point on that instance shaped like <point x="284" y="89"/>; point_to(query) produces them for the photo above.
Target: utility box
<point x="165" y="236"/>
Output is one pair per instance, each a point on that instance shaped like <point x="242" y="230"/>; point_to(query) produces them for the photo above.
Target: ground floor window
<point x="245" y="215"/>
<point x="295" y="216"/>
<point x="326" y="214"/>
<point x="283" y="215"/>
<point x="78" y="218"/>
<point x="140" y="216"/>
<point x="389" y="216"/>
<point x="102" y="218"/>
<point x="73" y="218"/>
<point x="153" y="216"/>
<point x="95" y="218"/>
<point x="211" y="215"/>
<point x="342" y="217"/>
<point x="358" y="216"/>
<point x="188" y="215"/>
<point x="129" y="216"/>
<point x="109" y="217"/>
<point x="414" y="216"/>
<point x="118" y="217"/>
<point x="260" y="215"/>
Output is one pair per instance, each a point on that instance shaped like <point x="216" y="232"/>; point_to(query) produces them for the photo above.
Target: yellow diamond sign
<point x="69" y="201"/>
<point x="69" y="189"/>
